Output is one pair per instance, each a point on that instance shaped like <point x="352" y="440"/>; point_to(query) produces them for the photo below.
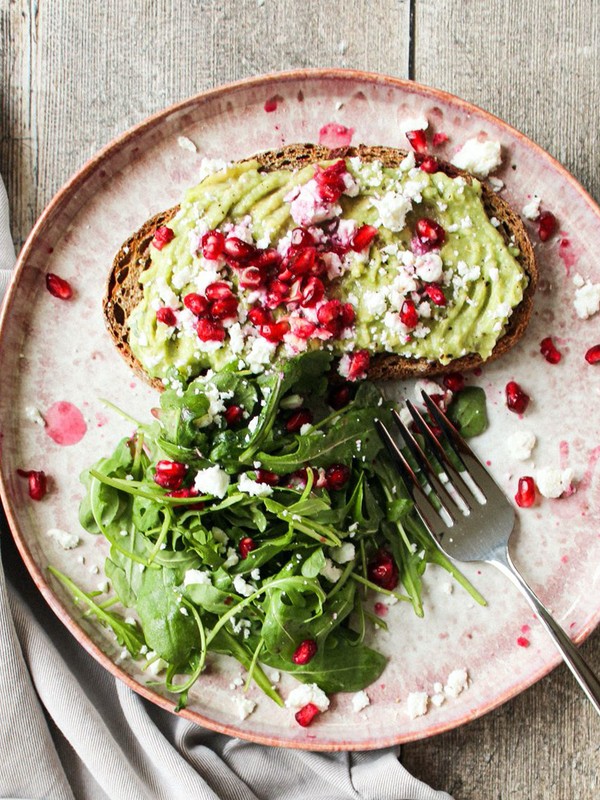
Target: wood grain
<point x="74" y="73"/>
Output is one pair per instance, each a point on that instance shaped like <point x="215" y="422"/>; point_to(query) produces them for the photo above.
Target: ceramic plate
<point x="61" y="362"/>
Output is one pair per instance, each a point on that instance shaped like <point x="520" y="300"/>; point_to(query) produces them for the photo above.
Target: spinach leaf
<point x="468" y="411"/>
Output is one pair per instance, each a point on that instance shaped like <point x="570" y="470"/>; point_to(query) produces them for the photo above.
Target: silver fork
<point x="468" y="516"/>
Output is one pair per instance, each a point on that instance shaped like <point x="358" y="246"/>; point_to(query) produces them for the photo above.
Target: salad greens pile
<point x="299" y="529"/>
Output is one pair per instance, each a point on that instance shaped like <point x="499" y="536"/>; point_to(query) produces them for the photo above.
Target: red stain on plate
<point x="65" y="423"/>
<point x="335" y="135"/>
<point x="565" y="251"/>
<point x="522" y="641"/>
<point x="380" y="609"/>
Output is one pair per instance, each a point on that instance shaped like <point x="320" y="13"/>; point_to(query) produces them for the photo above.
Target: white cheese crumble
<point x="186" y="144"/>
<point x="531" y="210"/>
<point x="553" y="482"/>
<point x="587" y="300"/>
<point x="329" y="572"/>
<point x="307" y="693"/>
<point x="521" y="443"/>
<point x="195" y="576"/>
<point x="360" y="700"/>
<point x="245" y="706"/>
<point x="212" y="480"/>
<point x="253" y="488"/>
<point x="457" y="682"/>
<point x="241" y="587"/>
<point x="393" y="208"/>
<point x="65" y="539"/>
<point x="33" y="415"/>
<point x="341" y="555"/>
<point x="420" y="123"/>
<point x="416" y="704"/>
<point x="477" y="157"/>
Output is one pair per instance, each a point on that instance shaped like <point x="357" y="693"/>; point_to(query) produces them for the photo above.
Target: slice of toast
<point x="124" y="291"/>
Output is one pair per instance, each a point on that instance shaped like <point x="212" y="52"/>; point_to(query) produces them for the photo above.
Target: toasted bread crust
<point x="124" y="291"/>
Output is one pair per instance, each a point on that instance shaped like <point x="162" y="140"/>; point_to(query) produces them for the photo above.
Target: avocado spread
<point x="349" y="255"/>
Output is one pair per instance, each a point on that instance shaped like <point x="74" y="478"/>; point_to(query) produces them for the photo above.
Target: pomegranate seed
<point x="593" y="354"/>
<point x="37" y="485"/>
<point x="246" y="545"/>
<point x="303" y="329"/>
<point x="418" y="141"/>
<point x="454" y="381"/>
<point x="274" y="331"/>
<point x="330" y="182"/>
<point x="522" y="641"/>
<point x="197" y="304"/>
<point x="305" y="652"/>
<point x="429" y="165"/>
<point x="348" y="315"/>
<point x="187" y="492"/>
<point x="237" y="249"/>
<point x="549" y="351"/>
<point x="408" y="314"/>
<point x="278" y="291"/>
<point x="363" y="237"/>
<point x="218" y="291"/>
<point x="58" y="287"/>
<point x="298" y="479"/>
<point x="313" y="292"/>
<point x="337" y="476"/>
<point x="435" y="294"/>
<point x="224" y="309"/>
<point x="303" y="261"/>
<point x="306" y="714"/>
<point x="546" y="225"/>
<point x="170" y="474"/>
<point x="439" y="138"/>
<point x="339" y="396"/>
<point x="525" y="496"/>
<point x="302" y="416"/>
<point x="302" y="238"/>
<point x="259" y="316"/>
<point x="209" y="331"/>
<point x="359" y="364"/>
<point x="266" y="259"/>
<point x="212" y="244"/>
<point x="166" y="316"/>
<point x="430" y="232"/>
<point x="233" y="415"/>
<point x="516" y="399"/>
<point x="382" y="570"/>
<point x="330" y="315"/>
<point x="162" y="236"/>
<point x="252" y="278"/>
<point x="264" y="476"/>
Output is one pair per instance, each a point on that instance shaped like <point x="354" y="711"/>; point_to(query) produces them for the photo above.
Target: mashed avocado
<point x="347" y="255"/>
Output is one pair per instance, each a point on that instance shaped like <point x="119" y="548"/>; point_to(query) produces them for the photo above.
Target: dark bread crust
<point x="124" y="291"/>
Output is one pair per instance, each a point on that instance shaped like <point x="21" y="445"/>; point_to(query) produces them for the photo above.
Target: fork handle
<point x="582" y="672"/>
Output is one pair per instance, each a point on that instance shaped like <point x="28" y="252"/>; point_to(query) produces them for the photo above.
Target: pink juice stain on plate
<point x="65" y="423"/>
<point x="335" y="135"/>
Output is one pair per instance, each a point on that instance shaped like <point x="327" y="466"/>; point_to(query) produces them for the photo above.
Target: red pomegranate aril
<point x="305" y="652"/>
<point x="429" y="165"/>
<point x="224" y="309"/>
<point x="167" y="316"/>
<point x="196" y="303"/>
<point x="549" y="351"/>
<point x="265" y="476"/>
<point x="260" y="316"/>
<point x="218" y="291"/>
<point x="454" y="381"/>
<point x="439" y="138"/>
<point x="187" y="491"/>
<point x="546" y="225"/>
<point x="435" y="294"/>
<point x="303" y="329"/>
<point x="382" y="570"/>
<point x="303" y="262"/>
<point x="233" y="415"/>
<point x="301" y="238"/>
<point x="330" y="181"/>
<point x="246" y="545"/>
<point x="162" y="236"/>
<point x="58" y="287"/>
<point x="593" y="354"/>
<point x="339" y="396"/>
<point x="337" y="476"/>
<point x="516" y="399"/>
<point x="525" y="496"/>
<point x="238" y="249"/>
<point x="408" y="314"/>
<point x="170" y="474"/>
<point x="252" y="278"/>
<point x="298" y="479"/>
<point x="303" y="416"/>
<point x="418" y="141"/>
<point x="348" y="315"/>
<point x="359" y="364"/>
<point x="278" y="292"/>
<point x="37" y="484"/>
<point x="265" y="259"/>
<point x="306" y="714"/>
<point x="275" y="331"/>
<point x="430" y="232"/>
<point x="363" y="237"/>
<point x="212" y="245"/>
<point x="210" y="331"/>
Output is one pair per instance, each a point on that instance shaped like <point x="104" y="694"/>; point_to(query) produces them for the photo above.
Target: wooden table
<point x="74" y="73"/>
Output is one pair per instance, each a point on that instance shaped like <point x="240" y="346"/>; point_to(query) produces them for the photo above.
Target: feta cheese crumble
<point x="307" y="693"/>
<point x="553" y="482"/>
<point x="212" y="480"/>
<point x="520" y="444"/>
<point x="416" y="704"/>
<point x="587" y="300"/>
<point x="245" y="706"/>
<point x="359" y="701"/>
<point x="253" y="488"/>
<point x="477" y="157"/>
<point x="457" y="682"/>
<point x="65" y="539"/>
<point x="531" y="210"/>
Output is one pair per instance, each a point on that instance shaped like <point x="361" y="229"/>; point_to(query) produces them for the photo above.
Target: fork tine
<point x="446" y="500"/>
<point x="406" y="471"/>
<point x="473" y="466"/>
